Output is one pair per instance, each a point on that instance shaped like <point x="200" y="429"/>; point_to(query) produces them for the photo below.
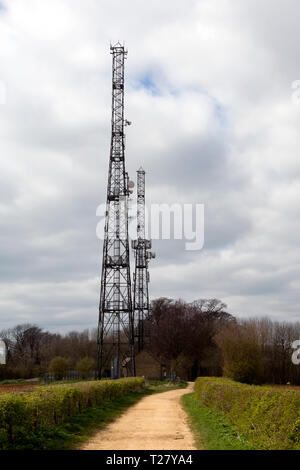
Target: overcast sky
<point x="209" y="92"/>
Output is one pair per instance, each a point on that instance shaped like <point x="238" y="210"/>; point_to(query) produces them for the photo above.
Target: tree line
<point x="202" y="339"/>
<point x="193" y="339"/>
<point x="30" y="350"/>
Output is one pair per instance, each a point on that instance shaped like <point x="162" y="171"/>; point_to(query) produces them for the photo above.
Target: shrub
<point x="28" y="413"/>
<point x="85" y="366"/>
<point x="266" y="416"/>
<point x="242" y="357"/>
<point x="59" y="366"/>
<point x="15" y="373"/>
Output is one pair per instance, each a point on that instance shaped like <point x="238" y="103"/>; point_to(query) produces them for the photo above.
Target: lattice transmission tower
<point x="141" y="247"/>
<point x="116" y="324"/>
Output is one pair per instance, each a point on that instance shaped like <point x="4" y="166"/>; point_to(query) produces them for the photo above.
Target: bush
<point x="242" y="357"/>
<point x="59" y="366"/>
<point x="267" y="417"/>
<point x="15" y="373"/>
<point x="28" y="413"/>
<point x="245" y="366"/>
<point x="85" y="366"/>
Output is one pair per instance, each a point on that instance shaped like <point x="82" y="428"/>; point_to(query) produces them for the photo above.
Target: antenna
<point x="141" y="247"/>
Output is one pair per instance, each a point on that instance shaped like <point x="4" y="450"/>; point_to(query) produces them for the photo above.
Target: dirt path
<point x="157" y="422"/>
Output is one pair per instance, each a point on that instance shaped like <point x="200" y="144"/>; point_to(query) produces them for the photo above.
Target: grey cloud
<point x="219" y="129"/>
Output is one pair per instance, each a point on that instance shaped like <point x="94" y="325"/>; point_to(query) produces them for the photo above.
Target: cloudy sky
<point x="215" y="121"/>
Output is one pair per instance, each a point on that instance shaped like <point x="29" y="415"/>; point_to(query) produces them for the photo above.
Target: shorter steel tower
<point x="141" y="278"/>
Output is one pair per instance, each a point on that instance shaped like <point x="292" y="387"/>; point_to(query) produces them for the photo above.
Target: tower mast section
<point x="115" y="342"/>
<point x="141" y="247"/>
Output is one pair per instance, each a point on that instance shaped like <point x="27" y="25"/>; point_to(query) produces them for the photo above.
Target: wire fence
<point x="68" y="375"/>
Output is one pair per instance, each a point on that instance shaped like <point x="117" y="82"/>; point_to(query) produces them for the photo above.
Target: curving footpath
<point x="157" y="422"/>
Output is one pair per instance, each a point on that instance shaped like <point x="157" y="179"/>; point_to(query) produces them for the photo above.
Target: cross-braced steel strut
<point x="141" y="247"/>
<point x="116" y="328"/>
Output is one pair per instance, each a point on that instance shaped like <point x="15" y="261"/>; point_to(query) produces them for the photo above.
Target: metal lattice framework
<point x="141" y="246"/>
<point x="116" y="328"/>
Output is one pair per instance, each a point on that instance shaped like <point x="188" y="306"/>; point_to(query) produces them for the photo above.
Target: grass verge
<point x="78" y="429"/>
<point x="267" y="417"/>
<point x="159" y="386"/>
<point x="211" y="430"/>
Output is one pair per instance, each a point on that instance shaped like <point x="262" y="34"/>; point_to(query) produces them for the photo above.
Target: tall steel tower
<point x="116" y="328"/>
<point x="141" y="246"/>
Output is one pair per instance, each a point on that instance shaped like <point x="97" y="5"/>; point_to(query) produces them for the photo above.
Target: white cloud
<point x="209" y="93"/>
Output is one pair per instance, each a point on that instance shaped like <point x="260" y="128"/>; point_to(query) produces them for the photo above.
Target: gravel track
<point x="157" y="422"/>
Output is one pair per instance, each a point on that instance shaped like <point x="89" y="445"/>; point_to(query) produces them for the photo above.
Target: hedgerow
<point x="23" y="413"/>
<point x="267" y="417"/>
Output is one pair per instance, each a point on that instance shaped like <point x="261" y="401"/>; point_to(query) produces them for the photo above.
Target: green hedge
<point x="51" y="405"/>
<point x="266" y="416"/>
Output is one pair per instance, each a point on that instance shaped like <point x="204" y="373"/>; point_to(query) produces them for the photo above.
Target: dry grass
<point x="15" y="388"/>
<point x="286" y="387"/>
